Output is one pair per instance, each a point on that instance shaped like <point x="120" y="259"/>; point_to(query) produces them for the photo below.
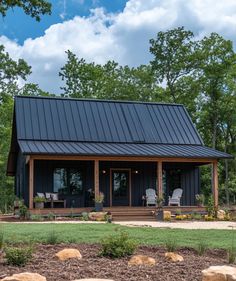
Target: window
<point x="67" y="181"/>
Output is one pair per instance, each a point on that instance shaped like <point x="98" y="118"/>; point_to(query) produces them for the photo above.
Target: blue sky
<point x="102" y="30"/>
<point x="18" y="26"/>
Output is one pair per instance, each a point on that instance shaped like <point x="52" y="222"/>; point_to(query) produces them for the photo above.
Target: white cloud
<point x="123" y="37"/>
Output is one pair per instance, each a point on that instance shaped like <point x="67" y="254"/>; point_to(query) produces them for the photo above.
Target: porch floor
<point x="120" y="213"/>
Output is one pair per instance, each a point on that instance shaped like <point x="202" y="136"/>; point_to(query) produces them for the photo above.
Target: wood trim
<point x="96" y="178"/>
<point x="215" y="184"/>
<point x="159" y="178"/>
<point x="122" y="158"/>
<point x="130" y="189"/>
<point x="31" y="183"/>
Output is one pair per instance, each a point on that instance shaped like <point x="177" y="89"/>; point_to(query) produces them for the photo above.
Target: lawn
<point x="92" y="233"/>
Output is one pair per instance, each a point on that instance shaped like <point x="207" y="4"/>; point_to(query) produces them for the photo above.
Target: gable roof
<point x="46" y="125"/>
<point x="57" y="119"/>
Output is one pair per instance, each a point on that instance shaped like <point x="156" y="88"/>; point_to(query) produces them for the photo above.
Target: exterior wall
<point x="43" y="180"/>
<point x="146" y="178"/>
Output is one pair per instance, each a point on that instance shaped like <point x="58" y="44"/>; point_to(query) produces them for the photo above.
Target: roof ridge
<point x="99" y="100"/>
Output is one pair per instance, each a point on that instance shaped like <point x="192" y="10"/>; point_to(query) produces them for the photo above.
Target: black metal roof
<point x="119" y="149"/>
<point x="57" y="119"/>
<point x="50" y="125"/>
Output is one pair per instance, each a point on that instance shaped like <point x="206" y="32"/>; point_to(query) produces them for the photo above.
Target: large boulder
<point x="166" y="215"/>
<point x="68" y="254"/>
<point x="171" y="256"/>
<point x="219" y="273"/>
<point x="25" y="276"/>
<point x="141" y="260"/>
<point x="97" y="216"/>
<point x="221" y="214"/>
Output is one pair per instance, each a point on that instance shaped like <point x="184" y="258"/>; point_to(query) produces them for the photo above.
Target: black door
<point x="120" y="187"/>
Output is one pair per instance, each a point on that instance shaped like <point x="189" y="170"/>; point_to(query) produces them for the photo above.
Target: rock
<point x="97" y="216"/>
<point x="173" y="257"/>
<point x="68" y="254"/>
<point x="219" y="273"/>
<point x="25" y="276"/>
<point x="166" y="215"/>
<point x="141" y="260"/>
<point x="221" y="215"/>
<point x="93" y="279"/>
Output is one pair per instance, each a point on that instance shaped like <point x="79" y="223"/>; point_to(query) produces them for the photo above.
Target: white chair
<point x="151" y="197"/>
<point x="176" y="196"/>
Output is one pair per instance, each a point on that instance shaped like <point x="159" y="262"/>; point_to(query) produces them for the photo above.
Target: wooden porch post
<point x="215" y="183"/>
<point x="31" y="183"/>
<point x="96" y="178"/>
<point x="159" y="178"/>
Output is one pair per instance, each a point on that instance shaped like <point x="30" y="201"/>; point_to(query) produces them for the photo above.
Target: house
<point x="77" y="147"/>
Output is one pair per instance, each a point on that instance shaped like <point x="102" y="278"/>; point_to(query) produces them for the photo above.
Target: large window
<point x="67" y="181"/>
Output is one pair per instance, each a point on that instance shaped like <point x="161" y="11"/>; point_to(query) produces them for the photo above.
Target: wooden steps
<point x="132" y="214"/>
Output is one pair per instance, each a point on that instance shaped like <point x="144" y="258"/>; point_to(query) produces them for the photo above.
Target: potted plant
<point x="39" y="202"/>
<point x="159" y="201"/>
<point x="200" y="199"/>
<point x="99" y="199"/>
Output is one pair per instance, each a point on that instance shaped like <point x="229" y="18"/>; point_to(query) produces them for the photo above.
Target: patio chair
<point x="176" y="196"/>
<point x="151" y="197"/>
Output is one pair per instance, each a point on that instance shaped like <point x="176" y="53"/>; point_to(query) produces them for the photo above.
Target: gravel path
<point x="182" y="225"/>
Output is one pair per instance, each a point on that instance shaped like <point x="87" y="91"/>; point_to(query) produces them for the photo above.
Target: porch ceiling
<point x="119" y="149"/>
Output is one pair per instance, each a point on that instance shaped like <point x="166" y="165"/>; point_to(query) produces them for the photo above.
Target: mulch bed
<point x="92" y="265"/>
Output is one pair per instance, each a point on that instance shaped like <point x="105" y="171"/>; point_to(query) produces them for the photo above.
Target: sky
<point x="102" y="30"/>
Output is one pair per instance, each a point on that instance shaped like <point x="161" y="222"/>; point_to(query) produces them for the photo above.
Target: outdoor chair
<point x="176" y="196"/>
<point x="151" y="197"/>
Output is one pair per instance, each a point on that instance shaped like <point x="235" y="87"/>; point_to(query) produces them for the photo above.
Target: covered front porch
<point x="78" y="180"/>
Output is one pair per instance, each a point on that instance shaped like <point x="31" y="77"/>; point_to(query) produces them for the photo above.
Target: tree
<point x="108" y="81"/>
<point x="33" y="8"/>
<point x="174" y="57"/>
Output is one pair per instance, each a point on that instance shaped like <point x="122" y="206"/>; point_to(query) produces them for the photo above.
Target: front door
<point x="120" y="187"/>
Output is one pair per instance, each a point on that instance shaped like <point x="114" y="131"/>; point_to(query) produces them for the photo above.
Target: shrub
<point x="171" y="245"/>
<point x="18" y="256"/>
<point x="51" y="216"/>
<point x="210" y="207"/>
<point x="23" y="211"/>
<point x="196" y="216"/>
<point x="178" y="212"/>
<point x="1" y="237"/>
<point x="85" y="216"/>
<point x="119" y="245"/>
<point x="36" y="217"/>
<point x="52" y="237"/>
<point x="201" y="248"/>
<point x="231" y="254"/>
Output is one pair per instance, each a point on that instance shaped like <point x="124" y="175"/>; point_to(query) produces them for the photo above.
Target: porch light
<point x="135" y="171"/>
<point x="104" y="172"/>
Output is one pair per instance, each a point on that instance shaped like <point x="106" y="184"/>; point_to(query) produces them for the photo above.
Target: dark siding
<point x="43" y="173"/>
<point x="146" y="178"/>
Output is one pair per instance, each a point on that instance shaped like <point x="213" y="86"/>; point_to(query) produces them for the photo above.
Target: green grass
<point x="92" y="233"/>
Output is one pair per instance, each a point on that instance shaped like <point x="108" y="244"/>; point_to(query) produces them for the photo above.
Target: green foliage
<point x="1" y="237"/>
<point x="18" y="256"/>
<point x="51" y="216"/>
<point x="117" y="246"/>
<point x="30" y="7"/>
<point x="36" y="218"/>
<point x="231" y="254"/>
<point x="196" y="216"/>
<point x="201" y="248"/>
<point x="23" y="211"/>
<point x="210" y="207"/>
<point x="52" y="237"/>
<point x="85" y="216"/>
<point x="171" y="245"/>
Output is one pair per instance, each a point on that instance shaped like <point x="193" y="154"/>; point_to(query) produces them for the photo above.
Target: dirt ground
<point x="92" y="265"/>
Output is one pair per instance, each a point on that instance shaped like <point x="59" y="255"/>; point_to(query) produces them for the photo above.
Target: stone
<point x="141" y="260"/>
<point x="166" y="215"/>
<point x="219" y="273"/>
<point x="173" y="257"/>
<point x="97" y="216"/>
<point x="93" y="279"/>
<point x="66" y="254"/>
<point x="25" y="276"/>
<point x="221" y="215"/>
